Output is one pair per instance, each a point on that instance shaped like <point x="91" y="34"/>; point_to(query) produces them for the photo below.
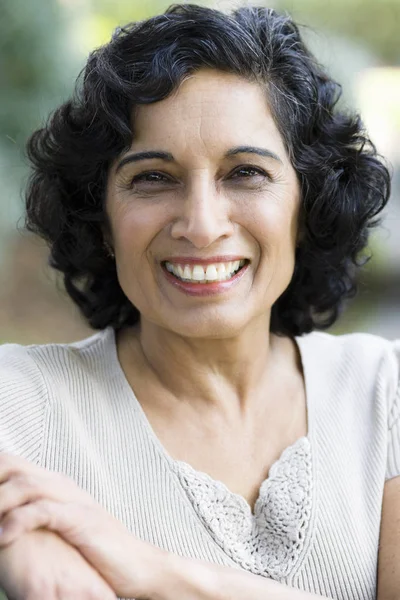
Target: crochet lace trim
<point x="270" y="541"/>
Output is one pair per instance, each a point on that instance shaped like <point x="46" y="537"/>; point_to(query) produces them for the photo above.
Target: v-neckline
<point x="301" y="444"/>
<point x="174" y="463"/>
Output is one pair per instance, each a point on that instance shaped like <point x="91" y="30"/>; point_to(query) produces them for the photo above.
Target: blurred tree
<point x="369" y="22"/>
<point x="33" y="63"/>
<point x="34" y="70"/>
<point x="37" y="68"/>
<point x="97" y="26"/>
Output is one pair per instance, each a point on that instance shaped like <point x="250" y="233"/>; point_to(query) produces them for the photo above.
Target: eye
<point x="248" y="172"/>
<point x="150" y="177"/>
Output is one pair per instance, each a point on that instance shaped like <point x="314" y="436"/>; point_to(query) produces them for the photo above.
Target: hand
<point x="32" y="498"/>
<point x="41" y="566"/>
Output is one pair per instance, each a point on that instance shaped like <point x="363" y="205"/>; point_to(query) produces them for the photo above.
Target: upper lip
<point x="188" y="260"/>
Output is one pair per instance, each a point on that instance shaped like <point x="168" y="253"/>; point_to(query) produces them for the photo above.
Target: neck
<point x="222" y="373"/>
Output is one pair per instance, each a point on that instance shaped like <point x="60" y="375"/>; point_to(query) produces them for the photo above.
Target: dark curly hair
<point x="343" y="183"/>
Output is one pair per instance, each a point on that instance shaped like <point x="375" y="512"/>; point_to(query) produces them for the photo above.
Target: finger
<point x="27" y="518"/>
<point x="21" y="520"/>
<point x="20" y="481"/>
<point x="77" y="524"/>
<point x="11" y="464"/>
<point x="100" y="538"/>
<point x="18" y="491"/>
<point x="15" y="467"/>
<point x="14" y="462"/>
<point x="32" y="482"/>
<point x="24" y="488"/>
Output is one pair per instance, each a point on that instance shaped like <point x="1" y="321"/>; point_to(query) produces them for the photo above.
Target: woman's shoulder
<point x="21" y="355"/>
<point x="365" y="348"/>
<point x="27" y="368"/>
<point x="34" y="376"/>
<point x="361" y="360"/>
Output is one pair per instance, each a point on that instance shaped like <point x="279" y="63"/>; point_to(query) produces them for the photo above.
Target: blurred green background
<point x="44" y="44"/>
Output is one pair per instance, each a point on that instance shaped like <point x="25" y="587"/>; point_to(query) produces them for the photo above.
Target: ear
<point x="108" y="241"/>
<point x="107" y="236"/>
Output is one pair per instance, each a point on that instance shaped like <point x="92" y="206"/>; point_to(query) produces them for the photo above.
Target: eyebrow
<point x="167" y="156"/>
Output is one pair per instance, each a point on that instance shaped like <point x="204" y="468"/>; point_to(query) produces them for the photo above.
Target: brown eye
<point x="247" y="172"/>
<point x="149" y="177"/>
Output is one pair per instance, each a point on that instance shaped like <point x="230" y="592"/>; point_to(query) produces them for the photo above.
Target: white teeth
<point x="198" y="273"/>
<point x="221" y="271"/>
<point x="211" y="273"/>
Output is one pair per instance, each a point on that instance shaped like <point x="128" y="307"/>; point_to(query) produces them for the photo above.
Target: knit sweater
<point x="315" y="525"/>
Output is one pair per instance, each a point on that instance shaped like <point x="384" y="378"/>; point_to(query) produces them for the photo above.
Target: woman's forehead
<point x="216" y="110"/>
<point x="209" y="93"/>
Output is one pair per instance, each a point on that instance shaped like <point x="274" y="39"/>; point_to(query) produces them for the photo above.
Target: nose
<point x="204" y="216"/>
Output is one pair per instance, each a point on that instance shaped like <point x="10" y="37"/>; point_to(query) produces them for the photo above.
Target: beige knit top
<point x="315" y="526"/>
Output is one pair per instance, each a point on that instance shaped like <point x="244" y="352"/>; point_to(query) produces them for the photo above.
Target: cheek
<point x="134" y="229"/>
<point x="134" y="232"/>
<point x="274" y="224"/>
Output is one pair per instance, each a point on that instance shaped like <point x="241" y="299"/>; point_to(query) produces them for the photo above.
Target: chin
<point x="215" y="326"/>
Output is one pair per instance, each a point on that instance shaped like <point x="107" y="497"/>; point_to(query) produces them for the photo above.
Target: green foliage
<point x="32" y="68"/>
<point x="35" y="67"/>
<point x="107" y="15"/>
<point x="371" y="22"/>
<point x="125" y="11"/>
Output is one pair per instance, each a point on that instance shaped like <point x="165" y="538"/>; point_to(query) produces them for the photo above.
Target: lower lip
<point x="205" y="289"/>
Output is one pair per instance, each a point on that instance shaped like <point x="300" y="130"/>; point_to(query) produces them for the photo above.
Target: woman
<point x="207" y="205"/>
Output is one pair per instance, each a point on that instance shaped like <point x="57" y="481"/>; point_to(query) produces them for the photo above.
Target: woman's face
<point x="221" y="195"/>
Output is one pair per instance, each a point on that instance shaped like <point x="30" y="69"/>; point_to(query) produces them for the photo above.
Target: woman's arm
<point x="40" y="565"/>
<point x="189" y="579"/>
<point x="205" y="581"/>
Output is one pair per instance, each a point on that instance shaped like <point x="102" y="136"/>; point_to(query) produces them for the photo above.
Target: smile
<point x="212" y="273"/>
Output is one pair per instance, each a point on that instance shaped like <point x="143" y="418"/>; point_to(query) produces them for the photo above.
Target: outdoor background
<point x="43" y="45"/>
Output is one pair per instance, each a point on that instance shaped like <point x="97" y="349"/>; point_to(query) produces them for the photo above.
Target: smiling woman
<point x="206" y="217"/>
<point x="208" y="206"/>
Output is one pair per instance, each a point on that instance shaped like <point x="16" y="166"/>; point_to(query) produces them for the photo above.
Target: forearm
<point x="196" y="580"/>
<point x="234" y="584"/>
